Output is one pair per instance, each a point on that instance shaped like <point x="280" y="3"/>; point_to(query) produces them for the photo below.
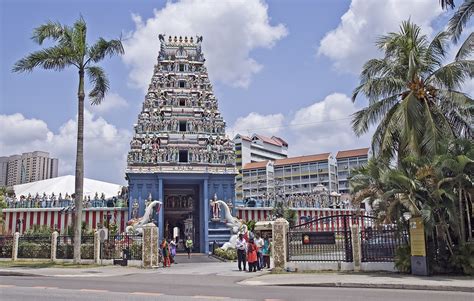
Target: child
<point x="166" y="253"/>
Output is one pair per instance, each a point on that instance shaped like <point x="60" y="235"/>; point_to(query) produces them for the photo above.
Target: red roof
<point x="353" y="153"/>
<point x="271" y="140"/>
<point x="288" y="161"/>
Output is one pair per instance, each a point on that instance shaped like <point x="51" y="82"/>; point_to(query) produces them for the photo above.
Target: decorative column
<point x="54" y="245"/>
<point x="356" y="247"/>
<point x="16" y="238"/>
<point x="150" y="246"/>
<point x="206" y="217"/>
<point x="96" y="247"/>
<point x="161" y="214"/>
<point x="279" y="248"/>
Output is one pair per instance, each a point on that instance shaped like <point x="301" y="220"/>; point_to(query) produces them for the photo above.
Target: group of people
<point x="168" y="250"/>
<point x="255" y="251"/>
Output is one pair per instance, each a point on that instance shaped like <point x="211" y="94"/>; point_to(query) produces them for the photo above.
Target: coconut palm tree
<point x="72" y="50"/>
<point x="413" y="99"/>
<point x="445" y="4"/>
<point x="460" y="18"/>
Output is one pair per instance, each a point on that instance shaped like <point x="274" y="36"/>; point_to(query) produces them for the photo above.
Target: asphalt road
<point x="157" y="286"/>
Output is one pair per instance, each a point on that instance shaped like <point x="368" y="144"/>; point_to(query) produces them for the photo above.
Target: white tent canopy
<point x="66" y="184"/>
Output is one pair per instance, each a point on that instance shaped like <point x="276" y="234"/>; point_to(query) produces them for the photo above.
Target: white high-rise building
<point x="27" y="167"/>
<point x="256" y="148"/>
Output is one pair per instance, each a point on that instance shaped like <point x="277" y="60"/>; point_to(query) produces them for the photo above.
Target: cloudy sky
<point x="278" y="67"/>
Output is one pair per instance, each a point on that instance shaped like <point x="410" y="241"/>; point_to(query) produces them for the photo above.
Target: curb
<point x="19" y="274"/>
<point x="382" y="286"/>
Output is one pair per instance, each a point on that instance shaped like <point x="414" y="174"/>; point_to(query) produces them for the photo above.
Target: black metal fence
<point x="307" y="244"/>
<point x="65" y="247"/>
<point x="115" y="247"/>
<point x="34" y="246"/>
<point x="6" y="246"/>
<point x="380" y="243"/>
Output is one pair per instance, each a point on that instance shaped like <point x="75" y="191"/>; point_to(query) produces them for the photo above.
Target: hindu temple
<point x="179" y="153"/>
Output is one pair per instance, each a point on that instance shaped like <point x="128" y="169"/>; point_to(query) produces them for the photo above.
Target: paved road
<point x="199" y="286"/>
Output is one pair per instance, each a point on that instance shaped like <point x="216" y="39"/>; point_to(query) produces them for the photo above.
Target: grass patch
<point x="43" y="264"/>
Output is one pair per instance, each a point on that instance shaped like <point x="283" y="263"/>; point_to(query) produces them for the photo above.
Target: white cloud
<point x="257" y="123"/>
<point x="351" y="44"/>
<point x="105" y="146"/>
<point x="231" y="30"/>
<point x="325" y="126"/>
<point x="112" y="101"/>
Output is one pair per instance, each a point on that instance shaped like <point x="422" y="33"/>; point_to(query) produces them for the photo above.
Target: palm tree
<point x="71" y="49"/>
<point x="414" y="100"/>
<point x="460" y="18"/>
<point x="447" y="4"/>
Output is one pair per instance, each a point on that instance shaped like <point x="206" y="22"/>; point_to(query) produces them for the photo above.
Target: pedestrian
<point x="241" y="246"/>
<point x="259" y="243"/>
<point x="166" y="253"/>
<point x="189" y="246"/>
<point x="266" y="252"/>
<point x="252" y="255"/>
<point x="173" y="251"/>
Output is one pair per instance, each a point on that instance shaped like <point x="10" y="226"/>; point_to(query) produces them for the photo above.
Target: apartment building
<point x="347" y="161"/>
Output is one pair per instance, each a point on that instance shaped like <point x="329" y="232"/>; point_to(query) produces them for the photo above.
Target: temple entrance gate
<point x="181" y="210"/>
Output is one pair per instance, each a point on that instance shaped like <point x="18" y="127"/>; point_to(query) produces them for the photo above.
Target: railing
<point x="115" y="246"/>
<point x="65" y="247"/>
<point x="379" y="244"/>
<point x="6" y="246"/>
<point x="34" y="246"/>
<point x="63" y="203"/>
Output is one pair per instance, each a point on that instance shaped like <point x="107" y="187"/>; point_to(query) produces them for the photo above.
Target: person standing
<point x="266" y="253"/>
<point x="252" y="255"/>
<point x="259" y="243"/>
<point x="166" y="253"/>
<point x="241" y="246"/>
<point x="173" y="251"/>
<point x="189" y="246"/>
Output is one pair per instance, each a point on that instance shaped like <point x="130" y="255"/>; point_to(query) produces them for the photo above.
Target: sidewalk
<point x="365" y="280"/>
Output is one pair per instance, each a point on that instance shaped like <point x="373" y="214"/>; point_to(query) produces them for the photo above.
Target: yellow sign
<point x="417" y="237"/>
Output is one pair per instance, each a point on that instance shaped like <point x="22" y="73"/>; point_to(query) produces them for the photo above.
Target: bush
<point x="136" y="251"/>
<point x="87" y="251"/>
<point x="463" y="259"/>
<point x="229" y="254"/>
<point x="34" y="250"/>
<point x="403" y="259"/>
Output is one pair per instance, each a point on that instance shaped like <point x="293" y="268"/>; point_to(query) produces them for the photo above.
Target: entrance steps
<point x="219" y="235"/>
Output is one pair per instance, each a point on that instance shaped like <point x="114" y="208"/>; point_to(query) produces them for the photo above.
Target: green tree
<point x="3" y="204"/>
<point x="459" y="20"/>
<point x="72" y="50"/>
<point x="413" y="99"/>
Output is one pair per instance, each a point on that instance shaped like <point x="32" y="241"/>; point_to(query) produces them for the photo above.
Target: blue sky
<point x="278" y="67"/>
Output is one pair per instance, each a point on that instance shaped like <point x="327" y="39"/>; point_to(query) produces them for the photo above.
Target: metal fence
<point x="34" y="246"/>
<point x="380" y="243"/>
<point x="65" y="247"/>
<point x="307" y="244"/>
<point x="6" y="246"/>
<point x="116" y="246"/>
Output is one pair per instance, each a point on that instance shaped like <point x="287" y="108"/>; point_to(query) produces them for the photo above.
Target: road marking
<point x="146" y="294"/>
<point x="7" y="285"/>
<point x="45" y="287"/>
<point x="93" y="290"/>
<point x="209" y="297"/>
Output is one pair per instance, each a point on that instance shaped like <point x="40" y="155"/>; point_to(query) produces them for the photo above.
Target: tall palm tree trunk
<point x="462" y="228"/>
<point x="79" y="181"/>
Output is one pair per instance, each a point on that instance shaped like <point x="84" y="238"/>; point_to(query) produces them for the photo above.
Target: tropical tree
<point x="413" y="99"/>
<point x="72" y="50"/>
<point x="445" y="4"/>
<point x="459" y="19"/>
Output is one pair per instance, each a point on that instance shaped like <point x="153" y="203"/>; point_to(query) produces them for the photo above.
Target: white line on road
<point x="45" y="287"/>
<point x="7" y="285"/>
<point x="93" y="290"/>
<point x="146" y="294"/>
<point x="210" y="297"/>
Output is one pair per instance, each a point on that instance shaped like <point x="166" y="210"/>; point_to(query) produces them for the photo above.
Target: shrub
<point x="463" y="259"/>
<point x="403" y="259"/>
<point x="34" y="250"/>
<point x="229" y="254"/>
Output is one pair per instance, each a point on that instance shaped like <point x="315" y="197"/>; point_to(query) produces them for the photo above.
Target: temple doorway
<point x="181" y="214"/>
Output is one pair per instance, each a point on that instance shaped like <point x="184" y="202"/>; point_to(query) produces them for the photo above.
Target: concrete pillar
<point x="96" y="247"/>
<point x="206" y="217"/>
<point x="279" y="251"/>
<point x="161" y="214"/>
<point x="356" y="247"/>
<point x="150" y="246"/>
<point x="54" y="245"/>
<point x="16" y="238"/>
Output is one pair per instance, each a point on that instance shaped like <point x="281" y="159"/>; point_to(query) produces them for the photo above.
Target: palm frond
<point x="98" y="78"/>
<point x="50" y="30"/>
<point x="460" y="18"/>
<point x="78" y="37"/>
<point x="361" y="120"/>
<point x="451" y="76"/>
<point x="56" y="58"/>
<point x="466" y="48"/>
<point x="437" y="50"/>
<point x="103" y="47"/>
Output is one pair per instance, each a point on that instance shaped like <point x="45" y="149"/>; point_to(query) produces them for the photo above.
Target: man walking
<point x="241" y="246"/>
<point x="189" y="246"/>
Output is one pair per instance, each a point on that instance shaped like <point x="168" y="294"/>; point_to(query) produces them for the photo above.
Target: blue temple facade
<point x="179" y="153"/>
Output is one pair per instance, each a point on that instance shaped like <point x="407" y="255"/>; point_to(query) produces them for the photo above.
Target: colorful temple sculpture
<point x="179" y="154"/>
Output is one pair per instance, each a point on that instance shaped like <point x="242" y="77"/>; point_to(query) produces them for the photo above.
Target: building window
<point x="181" y="83"/>
<point x="182" y="102"/>
<point x="182" y="126"/>
<point x="181" y="67"/>
<point x="183" y="156"/>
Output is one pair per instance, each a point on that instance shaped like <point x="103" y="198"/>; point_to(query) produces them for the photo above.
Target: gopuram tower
<point x="179" y="153"/>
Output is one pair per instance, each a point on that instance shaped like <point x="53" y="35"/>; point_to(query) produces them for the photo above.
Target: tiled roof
<point x="243" y="137"/>
<point x="352" y="153"/>
<point x="288" y="161"/>
<point x="283" y="142"/>
<point x="273" y="140"/>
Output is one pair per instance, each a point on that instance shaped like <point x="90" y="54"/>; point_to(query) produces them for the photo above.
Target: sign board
<point x="417" y="237"/>
<point x="103" y="234"/>
<point x="318" y="238"/>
